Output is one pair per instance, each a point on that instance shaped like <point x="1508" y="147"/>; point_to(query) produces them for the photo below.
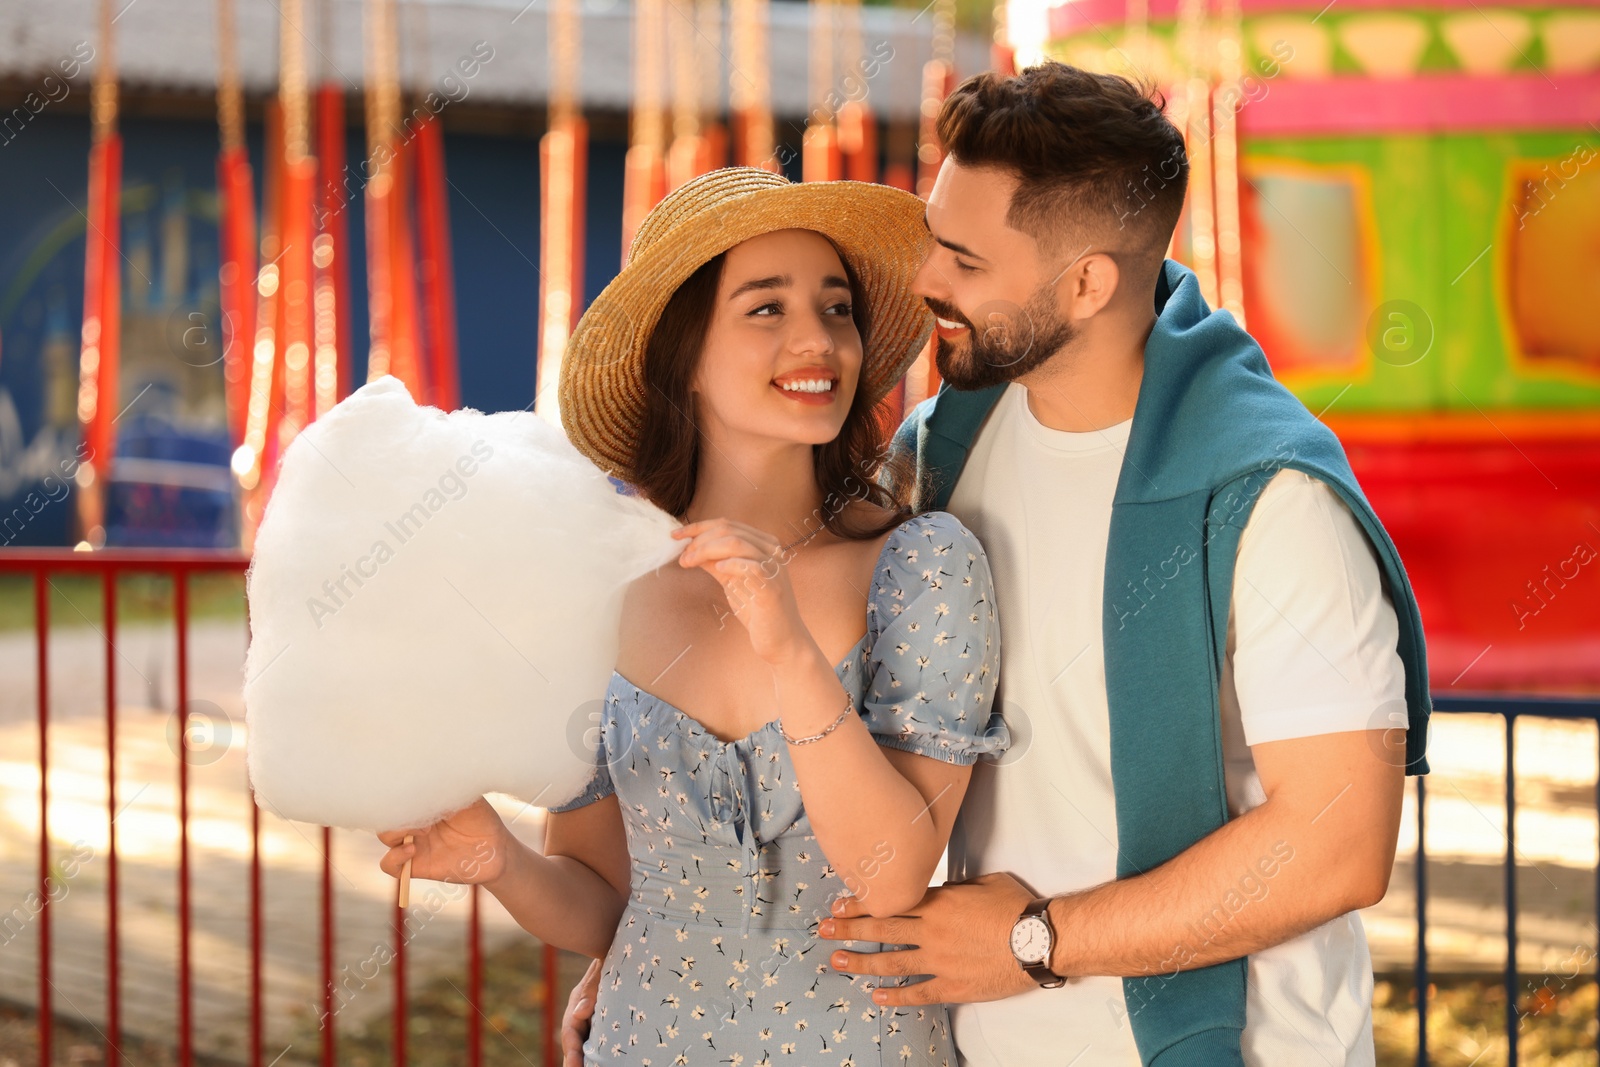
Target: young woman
<point x="799" y="698"/>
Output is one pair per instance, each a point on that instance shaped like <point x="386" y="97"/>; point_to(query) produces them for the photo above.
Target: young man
<point x="1211" y="660"/>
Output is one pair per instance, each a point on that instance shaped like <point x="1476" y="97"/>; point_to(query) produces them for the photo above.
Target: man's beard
<point x="1006" y="343"/>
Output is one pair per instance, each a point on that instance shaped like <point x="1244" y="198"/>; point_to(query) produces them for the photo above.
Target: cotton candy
<point x="434" y="606"/>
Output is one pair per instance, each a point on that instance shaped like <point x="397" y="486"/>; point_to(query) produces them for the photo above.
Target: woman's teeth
<point x="815" y="386"/>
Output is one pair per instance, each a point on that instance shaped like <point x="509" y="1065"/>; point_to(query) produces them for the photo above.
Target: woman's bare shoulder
<point x="866" y="551"/>
<point x="661" y="610"/>
<point x="667" y="585"/>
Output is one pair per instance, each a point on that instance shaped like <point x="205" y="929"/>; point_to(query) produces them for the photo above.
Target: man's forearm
<point x="1320" y="845"/>
<point x="1258" y="881"/>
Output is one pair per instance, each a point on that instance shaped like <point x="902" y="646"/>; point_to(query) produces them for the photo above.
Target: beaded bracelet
<point x="849" y="706"/>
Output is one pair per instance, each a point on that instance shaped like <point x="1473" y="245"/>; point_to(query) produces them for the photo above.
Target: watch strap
<point x="1042" y="974"/>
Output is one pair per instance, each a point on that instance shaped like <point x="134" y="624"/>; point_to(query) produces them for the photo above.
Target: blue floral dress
<point x="716" y="959"/>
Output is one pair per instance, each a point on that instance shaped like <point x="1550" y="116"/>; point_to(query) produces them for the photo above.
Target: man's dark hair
<point x="1095" y="156"/>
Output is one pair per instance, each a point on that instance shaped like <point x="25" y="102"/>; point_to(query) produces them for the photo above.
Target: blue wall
<point x="169" y="199"/>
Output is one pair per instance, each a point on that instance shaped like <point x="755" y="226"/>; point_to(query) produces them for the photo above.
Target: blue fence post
<point x="1422" y="923"/>
<point x="1511" y="890"/>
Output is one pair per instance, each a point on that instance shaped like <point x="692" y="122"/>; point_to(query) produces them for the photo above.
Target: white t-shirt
<point x="1311" y="649"/>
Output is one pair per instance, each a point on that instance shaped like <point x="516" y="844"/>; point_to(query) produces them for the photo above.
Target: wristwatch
<point x="1032" y="939"/>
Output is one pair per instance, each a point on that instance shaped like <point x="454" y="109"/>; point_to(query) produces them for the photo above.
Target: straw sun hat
<point x="878" y="230"/>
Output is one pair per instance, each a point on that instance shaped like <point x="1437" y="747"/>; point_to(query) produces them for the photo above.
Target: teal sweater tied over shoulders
<point x="1210" y="429"/>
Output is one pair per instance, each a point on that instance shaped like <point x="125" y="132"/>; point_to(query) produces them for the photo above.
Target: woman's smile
<point x="811" y="385"/>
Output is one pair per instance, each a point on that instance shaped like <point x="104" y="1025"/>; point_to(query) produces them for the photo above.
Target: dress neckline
<point x="695" y="726"/>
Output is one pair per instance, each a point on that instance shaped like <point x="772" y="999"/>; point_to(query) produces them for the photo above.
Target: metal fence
<point x="1509" y="708"/>
<point x="109" y="565"/>
<point x="178" y="566"/>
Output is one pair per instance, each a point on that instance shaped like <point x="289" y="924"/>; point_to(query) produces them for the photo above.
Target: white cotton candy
<point x="434" y="607"/>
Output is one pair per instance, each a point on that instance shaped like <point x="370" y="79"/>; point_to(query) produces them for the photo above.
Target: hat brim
<point x="878" y="230"/>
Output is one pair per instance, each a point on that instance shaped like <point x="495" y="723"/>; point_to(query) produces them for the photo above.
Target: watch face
<point x="1030" y="939"/>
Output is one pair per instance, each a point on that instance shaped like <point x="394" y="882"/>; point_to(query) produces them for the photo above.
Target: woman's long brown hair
<point x="667" y="459"/>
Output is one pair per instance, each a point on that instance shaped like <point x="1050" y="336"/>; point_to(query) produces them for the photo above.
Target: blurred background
<point x="219" y="218"/>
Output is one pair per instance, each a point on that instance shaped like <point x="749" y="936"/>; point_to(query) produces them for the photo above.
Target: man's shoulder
<point x="1302" y="526"/>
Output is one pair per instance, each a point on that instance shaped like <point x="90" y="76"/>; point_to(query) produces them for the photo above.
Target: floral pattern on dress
<point x="716" y="957"/>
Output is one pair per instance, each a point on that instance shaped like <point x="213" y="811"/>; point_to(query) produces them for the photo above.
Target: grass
<point x="1466" y="1017"/>
<point x="75" y="1043"/>
<point x="1467" y="1021"/>
<point x="512" y="1021"/>
<point x="76" y="601"/>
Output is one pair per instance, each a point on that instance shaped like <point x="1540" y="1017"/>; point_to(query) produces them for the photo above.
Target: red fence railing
<point x="108" y="565"/>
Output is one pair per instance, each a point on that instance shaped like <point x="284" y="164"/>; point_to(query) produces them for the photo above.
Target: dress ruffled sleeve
<point x="599" y="787"/>
<point x="934" y="662"/>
